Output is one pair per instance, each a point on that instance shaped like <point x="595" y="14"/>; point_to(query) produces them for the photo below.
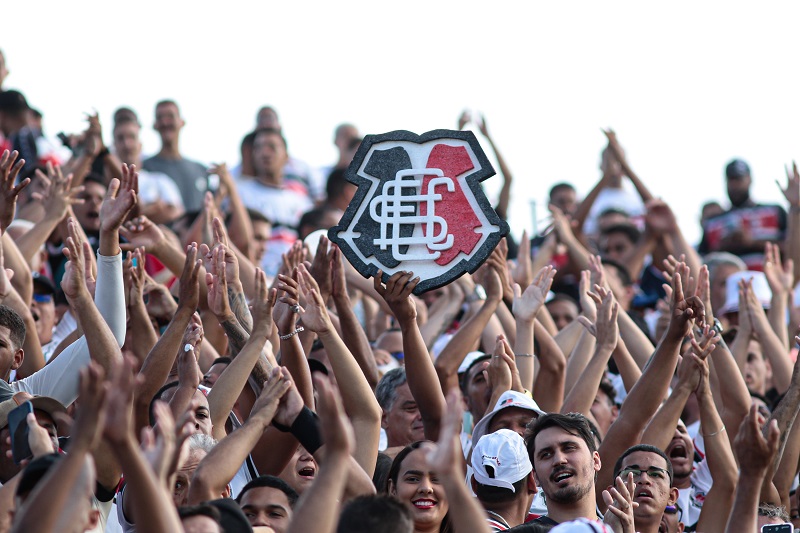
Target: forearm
<point x="142" y="334"/>
<point x="355" y="339"/>
<point x="467" y="515"/>
<point x="102" y="345"/>
<point x="585" y="207"/>
<point x="506" y="319"/>
<point x="34" y="359"/>
<point x="578" y="359"/>
<point x="777" y="318"/>
<point x="30" y="243"/>
<point x="776" y="353"/>
<point x="661" y="429"/>
<point x="581" y="396"/>
<point x="548" y="387"/>
<point x="318" y="508"/>
<point x="734" y="398"/>
<point x="219" y="467"/>
<point x="787" y="468"/>
<point x="109" y="295"/>
<point x="744" y="515"/>
<point x="79" y="167"/>
<point x="682" y="248"/>
<point x="568" y="337"/>
<point x="635" y="260"/>
<point x="12" y="258"/>
<point x="237" y="300"/>
<point x="635" y="339"/>
<point x="638" y="184"/>
<point x="422" y="380"/>
<point x="719" y="453"/>
<point x="523" y="344"/>
<point x="629" y="371"/>
<point x="179" y="403"/>
<point x="294" y="359"/>
<point x="791" y="244"/>
<point x="440" y="315"/>
<point x="463" y="342"/>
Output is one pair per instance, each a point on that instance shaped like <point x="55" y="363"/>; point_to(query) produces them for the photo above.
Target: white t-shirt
<point x="691" y="499"/>
<point x="155" y="186"/>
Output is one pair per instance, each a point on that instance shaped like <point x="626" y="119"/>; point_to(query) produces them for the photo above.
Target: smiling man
<point x="655" y="490"/>
<point x="565" y="462"/>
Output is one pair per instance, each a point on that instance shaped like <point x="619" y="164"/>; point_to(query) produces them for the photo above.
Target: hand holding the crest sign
<point x="397" y="294"/>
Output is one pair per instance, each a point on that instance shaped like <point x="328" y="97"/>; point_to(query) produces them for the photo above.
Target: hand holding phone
<point x="18" y="427"/>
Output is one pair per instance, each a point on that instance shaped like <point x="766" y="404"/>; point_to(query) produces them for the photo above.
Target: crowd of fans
<point x="194" y="361"/>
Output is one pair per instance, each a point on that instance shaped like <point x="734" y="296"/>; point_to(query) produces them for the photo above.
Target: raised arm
<point x="9" y="189"/>
<point x="548" y="387"/>
<point x="142" y="336"/>
<point x="359" y="400"/>
<point x="422" y="380"/>
<point x="773" y="349"/>
<point x="526" y="306"/>
<point x="619" y="155"/>
<point x="221" y="464"/>
<point x="505" y="191"/>
<point x="792" y="194"/>
<point x="785" y="415"/>
<point x="780" y="278"/>
<point x="240" y="225"/>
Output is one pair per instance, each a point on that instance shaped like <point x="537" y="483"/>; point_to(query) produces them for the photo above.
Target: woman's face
<point x="419" y="488"/>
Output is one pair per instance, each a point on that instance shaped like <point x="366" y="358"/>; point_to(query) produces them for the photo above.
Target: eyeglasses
<point x="653" y="472"/>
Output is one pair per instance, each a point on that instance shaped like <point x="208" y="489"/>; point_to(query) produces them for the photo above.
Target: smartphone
<point x="18" y="427"/>
<point x="777" y="528"/>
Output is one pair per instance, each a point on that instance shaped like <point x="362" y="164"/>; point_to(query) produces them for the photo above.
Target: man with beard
<point x="565" y="462"/>
<point x="747" y="226"/>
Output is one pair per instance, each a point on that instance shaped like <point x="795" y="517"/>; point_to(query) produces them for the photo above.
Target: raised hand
<point x="598" y="273"/>
<point x="754" y="452"/>
<point x="463" y="119"/>
<point x="9" y="170"/>
<point x="792" y="190"/>
<point x="686" y="310"/>
<point x="483" y="127"/>
<point x="138" y="276"/>
<point x="142" y="233"/>
<point x="397" y="294"/>
<point x="338" y="276"/>
<point x="189" y="292"/>
<point x="588" y="305"/>
<point x="274" y="389"/>
<point x="620" y="505"/>
<point x="263" y="305"/>
<point x="606" y="328"/>
<point x="502" y="373"/>
<point x="74" y="281"/>
<point x="315" y="315"/>
<point x="87" y="429"/>
<point x="189" y="374"/>
<point x="613" y="145"/>
<point x="120" y="199"/>
<point x="527" y="305"/>
<point x="217" y="282"/>
<point x="522" y="273"/>
<point x="780" y="277"/>
<point x="291" y="403"/>
<point x="58" y="195"/>
<point x="660" y="218"/>
<point x="288" y="305"/>
<point x="321" y="268"/>
<point x="159" y="443"/>
<point x="5" y="275"/>
<point x="118" y="428"/>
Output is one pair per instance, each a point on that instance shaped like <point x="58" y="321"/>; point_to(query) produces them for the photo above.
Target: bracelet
<point x="715" y="433"/>
<point x="523" y="355"/>
<point x="292" y="334"/>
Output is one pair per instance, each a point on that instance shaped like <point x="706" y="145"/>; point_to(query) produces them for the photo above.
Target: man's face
<point x="604" y="411"/>
<point x="168" y="122"/>
<point x="566" y="200"/>
<point x="44" y="314"/>
<point x="652" y="493"/>
<point x="718" y="283"/>
<point x="213" y="374"/>
<point x="267" y="506"/>
<point x="563" y="312"/>
<point x="88" y="213"/>
<point x="345" y="137"/>
<point x="514" y="418"/>
<point x="201" y="418"/>
<point x="756" y="369"/>
<point x="183" y="477"/>
<point x="10" y="354"/>
<point x="738" y="190"/>
<point x="565" y="467"/>
<point x="616" y="246"/>
<point x="670" y="523"/>
<point x="478" y="390"/>
<point x="680" y="451"/>
<point x="269" y="154"/>
<point x="403" y="422"/>
<point x="300" y="471"/>
<point x="126" y="142"/>
<point x="261" y="234"/>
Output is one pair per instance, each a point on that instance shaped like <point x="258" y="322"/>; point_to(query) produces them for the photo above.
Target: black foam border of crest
<point x="473" y="181"/>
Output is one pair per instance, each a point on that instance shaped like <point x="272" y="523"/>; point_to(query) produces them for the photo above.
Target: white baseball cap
<point x="760" y="287"/>
<point x="505" y="453"/>
<point x="508" y="399"/>
<point x="468" y="360"/>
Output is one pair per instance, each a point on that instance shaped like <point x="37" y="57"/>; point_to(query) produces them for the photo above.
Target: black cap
<point x="232" y="518"/>
<point x="35" y="471"/>
<point x="315" y="365"/>
<point x="737" y="169"/>
<point x="43" y="283"/>
<point x="13" y="101"/>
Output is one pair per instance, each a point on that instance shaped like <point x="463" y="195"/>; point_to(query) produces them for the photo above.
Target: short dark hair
<point x="336" y="183"/>
<point x="314" y="217"/>
<point x="157" y="396"/>
<point x="34" y="472"/>
<point x="562" y="297"/>
<point x="270" y="131"/>
<point x="629" y="230"/>
<point x="125" y="115"/>
<point x="94" y="177"/>
<point x="644" y="448"/>
<point x="202" y="509"/>
<point x="381" y="474"/>
<point x="375" y="512"/>
<point x="16" y="326"/>
<point x="608" y="389"/>
<point x="273" y="483"/>
<point x="624" y="273"/>
<point x="491" y="494"/>
<point x="573" y="423"/>
<point x="221" y="361"/>
<point x="257" y="216"/>
<point x="560" y="186"/>
<point x="168" y="102"/>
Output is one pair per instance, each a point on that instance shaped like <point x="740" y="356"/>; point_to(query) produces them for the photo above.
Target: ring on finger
<point x="295" y="308"/>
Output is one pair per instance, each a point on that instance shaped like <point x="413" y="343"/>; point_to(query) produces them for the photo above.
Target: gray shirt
<point x="188" y="175"/>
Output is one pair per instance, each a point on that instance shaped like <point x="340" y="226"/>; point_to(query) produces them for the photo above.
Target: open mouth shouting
<point x="643" y="495"/>
<point x="561" y="475"/>
<point x="307" y="473"/>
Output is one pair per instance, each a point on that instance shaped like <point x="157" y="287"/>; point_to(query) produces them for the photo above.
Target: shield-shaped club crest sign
<point x="419" y="207"/>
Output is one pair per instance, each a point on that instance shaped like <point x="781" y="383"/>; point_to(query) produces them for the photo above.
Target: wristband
<point x="292" y="334"/>
<point x="305" y="429"/>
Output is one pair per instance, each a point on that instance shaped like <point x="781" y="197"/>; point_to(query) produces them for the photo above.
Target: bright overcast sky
<point x="686" y="85"/>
